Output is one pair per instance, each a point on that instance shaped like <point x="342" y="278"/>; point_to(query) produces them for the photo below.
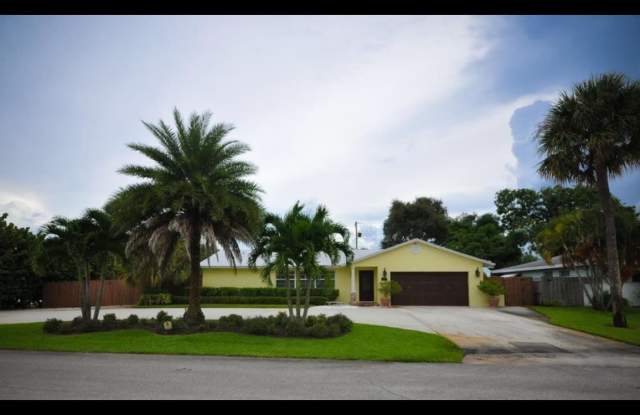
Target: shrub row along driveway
<point x="485" y="334"/>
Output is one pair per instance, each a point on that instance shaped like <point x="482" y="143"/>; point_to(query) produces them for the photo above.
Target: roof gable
<point x="220" y="260"/>
<point x="429" y="244"/>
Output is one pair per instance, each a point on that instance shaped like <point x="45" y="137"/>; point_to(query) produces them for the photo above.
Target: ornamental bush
<point x="491" y="287"/>
<point x="281" y="325"/>
<point x="52" y="325"/>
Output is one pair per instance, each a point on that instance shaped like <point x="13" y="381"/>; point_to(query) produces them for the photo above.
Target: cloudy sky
<point x="347" y="111"/>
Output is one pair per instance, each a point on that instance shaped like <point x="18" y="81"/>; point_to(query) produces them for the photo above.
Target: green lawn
<point x="365" y="342"/>
<point x="216" y="306"/>
<point x="595" y="322"/>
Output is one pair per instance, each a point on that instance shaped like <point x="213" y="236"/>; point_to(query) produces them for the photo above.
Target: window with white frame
<point x="325" y="281"/>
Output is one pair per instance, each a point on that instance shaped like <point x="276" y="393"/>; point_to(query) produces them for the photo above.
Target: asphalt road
<point x="48" y="375"/>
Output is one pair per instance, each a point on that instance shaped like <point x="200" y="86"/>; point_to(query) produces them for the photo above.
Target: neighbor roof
<point x="221" y="260"/>
<point x="540" y="264"/>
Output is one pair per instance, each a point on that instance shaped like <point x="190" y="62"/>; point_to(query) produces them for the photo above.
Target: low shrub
<point x="133" y="320"/>
<point x="319" y="326"/>
<point x="231" y="322"/>
<point x="52" y="325"/>
<point x="343" y="322"/>
<point x="246" y="300"/>
<point x="109" y="321"/>
<point x="260" y="326"/>
<point x="295" y="328"/>
<point x="155" y="299"/>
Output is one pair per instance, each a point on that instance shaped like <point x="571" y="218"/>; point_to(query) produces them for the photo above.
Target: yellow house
<point x="428" y="273"/>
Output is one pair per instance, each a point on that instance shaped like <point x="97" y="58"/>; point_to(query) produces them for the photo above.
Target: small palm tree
<point x="278" y="244"/>
<point x="197" y="191"/>
<point x="588" y="136"/>
<point x="294" y="243"/>
<point x="94" y="247"/>
<point x="323" y="237"/>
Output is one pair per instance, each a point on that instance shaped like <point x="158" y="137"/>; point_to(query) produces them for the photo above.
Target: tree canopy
<point x="19" y="285"/>
<point x="424" y="218"/>
<point x="482" y="236"/>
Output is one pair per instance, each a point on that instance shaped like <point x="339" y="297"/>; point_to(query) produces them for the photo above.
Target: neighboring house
<point x="540" y="269"/>
<point x="429" y="274"/>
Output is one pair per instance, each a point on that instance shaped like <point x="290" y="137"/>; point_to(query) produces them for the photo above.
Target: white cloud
<point x="23" y="209"/>
<point x="347" y="111"/>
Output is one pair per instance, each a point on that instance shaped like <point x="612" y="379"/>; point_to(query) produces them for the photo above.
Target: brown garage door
<point x="431" y="288"/>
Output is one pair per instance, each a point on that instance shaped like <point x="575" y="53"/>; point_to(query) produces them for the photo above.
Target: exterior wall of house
<point x="415" y="257"/>
<point x="226" y="277"/>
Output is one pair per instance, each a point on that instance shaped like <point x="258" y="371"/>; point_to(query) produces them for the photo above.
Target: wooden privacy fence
<point x="67" y="293"/>
<point x="562" y="291"/>
<point x="519" y="291"/>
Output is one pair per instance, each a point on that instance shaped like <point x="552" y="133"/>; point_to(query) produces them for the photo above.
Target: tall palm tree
<point x="293" y="243"/>
<point x="94" y="247"/>
<point x="588" y="136"/>
<point x="197" y="191"/>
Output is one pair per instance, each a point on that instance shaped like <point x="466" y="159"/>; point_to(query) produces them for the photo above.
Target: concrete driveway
<point x="485" y="334"/>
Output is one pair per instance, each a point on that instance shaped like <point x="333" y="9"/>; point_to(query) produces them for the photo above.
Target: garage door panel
<point x="431" y="288"/>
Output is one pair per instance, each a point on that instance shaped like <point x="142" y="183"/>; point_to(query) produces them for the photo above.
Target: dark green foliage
<point x="246" y="300"/>
<point x="20" y="287"/>
<point x="230" y="322"/>
<point x="295" y="327"/>
<point x="491" y="287"/>
<point x="259" y="325"/>
<point x="155" y="299"/>
<point x="52" y="325"/>
<point x="329" y="293"/>
<point x="162" y="316"/>
<point x="524" y="212"/>
<point x="425" y="218"/>
<point x="342" y="321"/>
<point x="280" y="325"/>
<point x="483" y="237"/>
<point x="109" y="321"/>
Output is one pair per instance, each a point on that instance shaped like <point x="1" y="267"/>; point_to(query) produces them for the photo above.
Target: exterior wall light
<point x="478" y="272"/>
<point x="384" y="274"/>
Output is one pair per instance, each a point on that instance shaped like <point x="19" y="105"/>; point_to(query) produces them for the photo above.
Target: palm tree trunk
<point x="289" y="304"/>
<point x="308" y="298"/>
<point x="85" y="301"/>
<point x="96" y="311"/>
<point x="297" y="279"/>
<point x="194" y="311"/>
<point x="613" y="264"/>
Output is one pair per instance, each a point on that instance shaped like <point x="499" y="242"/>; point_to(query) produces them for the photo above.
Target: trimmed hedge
<point x="314" y="300"/>
<point x="155" y="299"/>
<point x="330" y="293"/>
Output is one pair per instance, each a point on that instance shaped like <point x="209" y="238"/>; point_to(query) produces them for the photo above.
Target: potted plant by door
<point x="493" y="289"/>
<point x="387" y="289"/>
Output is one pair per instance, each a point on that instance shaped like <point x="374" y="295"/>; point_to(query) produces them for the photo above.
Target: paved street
<point x="46" y="375"/>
